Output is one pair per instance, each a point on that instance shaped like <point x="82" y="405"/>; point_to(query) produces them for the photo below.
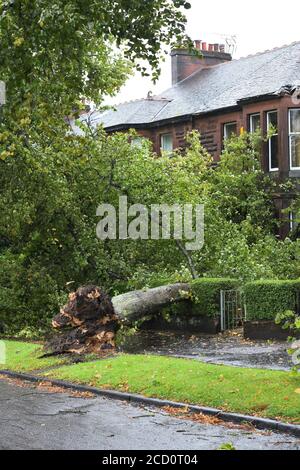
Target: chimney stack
<point x="185" y="63"/>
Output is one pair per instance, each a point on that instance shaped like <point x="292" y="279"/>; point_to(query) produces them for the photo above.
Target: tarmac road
<point x="37" y="419"/>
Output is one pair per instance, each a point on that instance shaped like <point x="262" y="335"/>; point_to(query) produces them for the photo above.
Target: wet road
<point x="35" y="419"/>
<point x="228" y="349"/>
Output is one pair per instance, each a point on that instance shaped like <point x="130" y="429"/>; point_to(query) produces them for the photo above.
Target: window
<point x="272" y="122"/>
<point x="294" y="136"/>
<point x="166" y="143"/>
<point x="254" y="122"/>
<point x="230" y="129"/>
<point x="137" y="142"/>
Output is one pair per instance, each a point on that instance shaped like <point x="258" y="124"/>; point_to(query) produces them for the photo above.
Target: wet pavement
<point x="35" y="419"/>
<point x="229" y="348"/>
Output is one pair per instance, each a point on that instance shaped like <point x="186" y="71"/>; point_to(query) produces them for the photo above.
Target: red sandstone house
<point x="219" y="96"/>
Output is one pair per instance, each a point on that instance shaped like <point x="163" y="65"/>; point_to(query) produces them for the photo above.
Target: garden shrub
<point x="266" y="299"/>
<point x="206" y="294"/>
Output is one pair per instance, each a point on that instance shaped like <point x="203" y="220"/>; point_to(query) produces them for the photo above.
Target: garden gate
<point x="232" y="315"/>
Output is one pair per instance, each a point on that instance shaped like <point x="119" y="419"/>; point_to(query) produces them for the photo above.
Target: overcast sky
<point x="258" y="25"/>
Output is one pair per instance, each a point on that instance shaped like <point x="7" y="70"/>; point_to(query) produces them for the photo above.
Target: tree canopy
<point x="59" y="51"/>
<point x="55" y="54"/>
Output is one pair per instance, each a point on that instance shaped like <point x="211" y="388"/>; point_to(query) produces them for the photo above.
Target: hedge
<point x="265" y="299"/>
<point x="206" y="294"/>
<point x="204" y="300"/>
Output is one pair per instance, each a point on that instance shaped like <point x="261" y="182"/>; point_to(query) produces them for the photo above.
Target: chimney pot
<point x="222" y="48"/>
<point x="216" y="47"/>
<point x="210" y="47"/>
<point x="204" y="46"/>
<point x="198" y="44"/>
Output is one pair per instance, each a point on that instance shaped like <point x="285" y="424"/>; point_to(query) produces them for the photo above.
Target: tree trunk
<point x="90" y="320"/>
<point x="135" y="305"/>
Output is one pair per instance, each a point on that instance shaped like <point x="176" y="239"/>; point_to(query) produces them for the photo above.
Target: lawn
<point x="24" y="357"/>
<point x="272" y="394"/>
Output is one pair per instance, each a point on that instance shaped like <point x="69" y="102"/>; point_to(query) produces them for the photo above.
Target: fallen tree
<point x="89" y="321"/>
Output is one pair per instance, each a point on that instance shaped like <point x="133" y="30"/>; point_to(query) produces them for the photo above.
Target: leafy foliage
<point x="54" y="56"/>
<point x="206" y="294"/>
<point x="227" y="446"/>
<point x="59" y="51"/>
<point x="49" y="196"/>
<point x="266" y="299"/>
<point x="289" y="320"/>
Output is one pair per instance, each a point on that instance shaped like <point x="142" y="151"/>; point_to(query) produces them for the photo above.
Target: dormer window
<point x="272" y="123"/>
<point x="230" y="130"/>
<point x="166" y="143"/>
<point x="294" y="137"/>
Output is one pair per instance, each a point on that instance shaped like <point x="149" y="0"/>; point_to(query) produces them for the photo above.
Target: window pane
<point x="230" y="130"/>
<point x="254" y="122"/>
<point x="273" y="119"/>
<point x="295" y="120"/>
<point x="167" y="142"/>
<point x="295" y="150"/>
<point x="137" y="142"/>
<point x="273" y="149"/>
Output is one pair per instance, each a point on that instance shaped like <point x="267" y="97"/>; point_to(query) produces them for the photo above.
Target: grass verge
<point x="24" y="357"/>
<point x="271" y="394"/>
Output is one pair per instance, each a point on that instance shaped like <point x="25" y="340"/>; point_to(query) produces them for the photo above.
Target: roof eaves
<point x="258" y="98"/>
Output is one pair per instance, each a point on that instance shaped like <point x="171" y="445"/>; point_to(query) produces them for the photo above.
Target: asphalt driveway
<point x="228" y="349"/>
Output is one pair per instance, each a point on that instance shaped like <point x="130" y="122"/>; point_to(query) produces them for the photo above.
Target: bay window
<point x="294" y="137"/>
<point x="272" y="123"/>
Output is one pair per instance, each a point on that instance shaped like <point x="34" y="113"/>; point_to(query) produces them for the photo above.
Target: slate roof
<point x="214" y="88"/>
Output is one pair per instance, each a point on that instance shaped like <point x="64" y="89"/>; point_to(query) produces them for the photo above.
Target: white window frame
<point x="291" y="134"/>
<point x="293" y="221"/>
<point x="161" y="142"/>
<point x="225" y="134"/>
<point x="270" y="140"/>
<point x="251" y="116"/>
